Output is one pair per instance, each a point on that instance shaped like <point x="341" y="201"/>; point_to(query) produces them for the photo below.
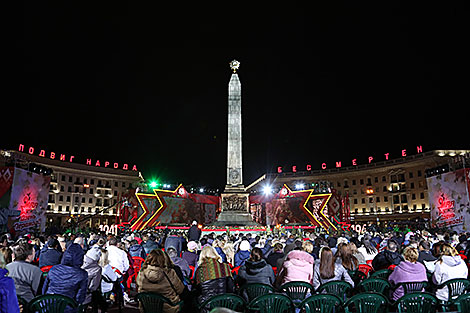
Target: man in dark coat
<point x="68" y="278"/>
<point x="148" y="243"/>
<point x="387" y="257"/>
<point x="50" y="254"/>
<point x="194" y="233"/>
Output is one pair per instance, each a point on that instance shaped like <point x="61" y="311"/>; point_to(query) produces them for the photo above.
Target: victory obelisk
<point x="235" y="200"/>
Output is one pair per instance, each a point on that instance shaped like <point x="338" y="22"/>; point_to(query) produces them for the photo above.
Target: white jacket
<point x="118" y="258"/>
<point x="449" y="268"/>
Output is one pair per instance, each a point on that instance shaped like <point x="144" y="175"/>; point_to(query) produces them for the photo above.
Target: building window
<point x="384" y="179"/>
<point x="69" y="189"/>
<point x="421" y="195"/>
<point x="92" y="181"/>
<point x="68" y="198"/>
<point x="412" y="185"/>
<point x="413" y="196"/>
<point x="385" y="198"/>
<point x="371" y="200"/>
<point x="354" y="182"/>
<point x="355" y="201"/>
<point x="377" y="199"/>
<point x="361" y="181"/>
<point x="70" y="179"/>
<point x="419" y="173"/>
<point x="90" y="200"/>
<point x="62" y="188"/>
<point x="61" y="198"/>
<point x="410" y="174"/>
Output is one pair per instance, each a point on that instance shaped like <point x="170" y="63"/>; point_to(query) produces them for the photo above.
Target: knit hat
<point x="245" y="245"/>
<point x="94" y="254"/>
<point x="192" y="245"/>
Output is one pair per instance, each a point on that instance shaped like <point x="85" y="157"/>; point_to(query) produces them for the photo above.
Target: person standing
<point x="194" y="233"/>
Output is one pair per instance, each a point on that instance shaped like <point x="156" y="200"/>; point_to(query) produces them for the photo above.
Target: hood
<point x="245" y="254"/>
<point x="153" y="274"/>
<point x="3" y="272"/>
<point x="451" y="260"/>
<point x="253" y="268"/>
<point x="73" y="256"/>
<point x="409" y="267"/>
<point x="89" y="262"/>
<point x="392" y="257"/>
<point x="300" y="256"/>
<point x="135" y="248"/>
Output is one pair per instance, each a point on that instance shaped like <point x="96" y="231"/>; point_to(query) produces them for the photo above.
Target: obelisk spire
<point x="234" y="143"/>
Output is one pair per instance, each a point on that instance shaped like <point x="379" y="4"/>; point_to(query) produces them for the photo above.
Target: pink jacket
<point x="298" y="267"/>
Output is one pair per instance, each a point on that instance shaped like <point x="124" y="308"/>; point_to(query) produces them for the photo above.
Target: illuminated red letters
<point x="106" y="163"/>
<point x="279" y="169"/>
<point x="88" y="161"/>
<point x="323" y="166"/>
<point x="354" y="162"/>
<point x="97" y="163"/>
<point x="386" y="156"/>
<point x="370" y="159"/>
<point x="403" y="153"/>
<point x="294" y="169"/>
<point x="338" y="163"/>
<point x="419" y="149"/>
<point x="116" y="165"/>
<point x="309" y="167"/>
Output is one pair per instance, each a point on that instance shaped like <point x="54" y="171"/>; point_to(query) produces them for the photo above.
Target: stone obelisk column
<point x="235" y="200"/>
<point x="234" y="142"/>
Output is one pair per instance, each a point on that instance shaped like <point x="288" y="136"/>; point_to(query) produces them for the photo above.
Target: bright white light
<point x="299" y="186"/>
<point x="201" y="190"/>
<point x="267" y="190"/>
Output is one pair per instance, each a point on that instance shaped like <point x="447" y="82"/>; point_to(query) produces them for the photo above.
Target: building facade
<point x="391" y="190"/>
<point x="78" y="191"/>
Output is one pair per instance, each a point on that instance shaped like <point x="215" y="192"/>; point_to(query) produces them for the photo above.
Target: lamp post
<point x="370" y="191"/>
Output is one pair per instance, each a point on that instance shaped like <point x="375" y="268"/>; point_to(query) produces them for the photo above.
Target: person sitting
<point x="117" y="258"/>
<point x="327" y="269"/>
<point x="68" y="278"/>
<point x="156" y="276"/>
<point x="243" y="253"/>
<point x="358" y="255"/>
<point x="8" y="298"/>
<point x="408" y="270"/>
<point x="276" y="254"/>
<point x="191" y="255"/>
<point x="212" y="277"/>
<point x="218" y="244"/>
<point x="449" y="266"/>
<point x="345" y="257"/>
<point x="387" y="257"/>
<point x="298" y="266"/>
<point x="50" y="254"/>
<point x="180" y="262"/>
<point x="148" y="242"/>
<point x="425" y="256"/>
<point x="256" y="270"/>
<point x="91" y="266"/>
<point x="368" y="250"/>
<point x="136" y="250"/>
<point x="27" y="277"/>
<point x="108" y="275"/>
<point x="175" y="241"/>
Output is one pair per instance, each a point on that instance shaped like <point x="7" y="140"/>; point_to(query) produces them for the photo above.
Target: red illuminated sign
<point x="63" y="157"/>
<point x="338" y="164"/>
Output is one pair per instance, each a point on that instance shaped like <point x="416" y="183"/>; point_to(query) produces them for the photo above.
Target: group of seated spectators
<point x="192" y="268"/>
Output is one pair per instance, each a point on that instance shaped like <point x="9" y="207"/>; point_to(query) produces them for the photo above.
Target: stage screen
<point x="449" y="200"/>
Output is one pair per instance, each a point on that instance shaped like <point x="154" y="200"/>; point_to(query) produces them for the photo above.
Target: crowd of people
<point x="188" y="268"/>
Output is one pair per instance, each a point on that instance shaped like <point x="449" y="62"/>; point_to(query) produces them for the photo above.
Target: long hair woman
<point x="157" y="275"/>
<point x="345" y="256"/>
<point x="449" y="266"/>
<point x="212" y="276"/>
<point x="328" y="269"/>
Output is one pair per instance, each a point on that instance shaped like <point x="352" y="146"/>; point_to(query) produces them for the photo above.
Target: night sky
<point x="148" y="85"/>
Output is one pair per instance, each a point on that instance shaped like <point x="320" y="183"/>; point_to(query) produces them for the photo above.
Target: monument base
<point x="235" y="209"/>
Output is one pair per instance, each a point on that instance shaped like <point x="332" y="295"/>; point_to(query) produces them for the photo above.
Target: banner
<point x="449" y="200"/>
<point x="29" y="197"/>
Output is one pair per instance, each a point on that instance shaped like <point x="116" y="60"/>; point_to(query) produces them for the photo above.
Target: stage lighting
<point x="267" y="190"/>
<point x="153" y="184"/>
<point x="201" y="190"/>
<point x="299" y="186"/>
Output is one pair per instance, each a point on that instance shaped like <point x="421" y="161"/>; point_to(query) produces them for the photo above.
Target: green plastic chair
<point x="415" y="286"/>
<point x="153" y="302"/>
<point x="272" y="303"/>
<point x="463" y="303"/>
<point x="253" y="290"/>
<point x="417" y="302"/>
<point x="228" y="300"/>
<point x="51" y="303"/>
<point x="357" y="276"/>
<point x="297" y="291"/>
<point x="374" y="284"/>
<point x="381" y="274"/>
<point x="336" y="287"/>
<point x="455" y="287"/>
<point x="321" y="303"/>
<point x="368" y="302"/>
